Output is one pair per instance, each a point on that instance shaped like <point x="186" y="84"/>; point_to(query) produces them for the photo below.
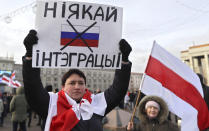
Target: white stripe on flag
<point x="176" y="65"/>
<point x="80" y="28"/>
<point x="187" y="113"/>
<point x="6" y="80"/>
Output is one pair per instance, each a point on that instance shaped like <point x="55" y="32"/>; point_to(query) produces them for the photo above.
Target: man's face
<point x="75" y="87"/>
<point x="152" y="112"/>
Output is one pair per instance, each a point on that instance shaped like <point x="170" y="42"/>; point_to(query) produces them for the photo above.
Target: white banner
<point x="77" y="35"/>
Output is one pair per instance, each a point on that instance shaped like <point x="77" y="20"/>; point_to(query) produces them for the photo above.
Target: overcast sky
<point x="174" y="24"/>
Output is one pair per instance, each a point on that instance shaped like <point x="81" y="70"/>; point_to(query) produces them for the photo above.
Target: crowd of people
<point x="22" y="113"/>
<point x="14" y="105"/>
<point x="130" y="100"/>
<point x="5" y="99"/>
<point x="74" y="107"/>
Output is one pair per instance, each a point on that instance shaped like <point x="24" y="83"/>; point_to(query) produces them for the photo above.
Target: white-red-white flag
<point x="169" y="78"/>
<point x="15" y="84"/>
<point x="6" y="80"/>
<point x="10" y="82"/>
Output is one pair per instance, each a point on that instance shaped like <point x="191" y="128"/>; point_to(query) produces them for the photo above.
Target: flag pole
<point x="137" y="100"/>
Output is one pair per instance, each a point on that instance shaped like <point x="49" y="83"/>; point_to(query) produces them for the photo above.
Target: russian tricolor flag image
<point x="91" y="36"/>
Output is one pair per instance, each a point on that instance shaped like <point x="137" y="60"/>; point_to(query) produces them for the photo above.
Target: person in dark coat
<point x="6" y="105"/>
<point x="132" y="96"/>
<point x="205" y="90"/>
<point x="74" y="107"/>
<point x="153" y="113"/>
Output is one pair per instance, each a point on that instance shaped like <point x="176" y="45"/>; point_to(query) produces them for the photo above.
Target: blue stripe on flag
<point x="88" y="36"/>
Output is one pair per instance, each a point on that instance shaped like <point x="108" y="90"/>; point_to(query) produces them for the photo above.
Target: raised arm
<point x="118" y="89"/>
<point x="37" y="97"/>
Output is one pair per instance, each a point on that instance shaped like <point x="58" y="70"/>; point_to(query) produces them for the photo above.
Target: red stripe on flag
<point x="14" y="84"/>
<point x="79" y="42"/>
<point x="5" y="79"/>
<point x="180" y="87"/>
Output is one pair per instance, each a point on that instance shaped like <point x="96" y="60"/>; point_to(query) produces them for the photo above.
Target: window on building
<point x="62" y="72"/>
<point x="55" y="71"/>
<point x="109" y="75"/>
<point x="41" y="71"/>
<point x="88" y="73"/>
<point x="55" y="85"/>
<point x="48" y="78"/>
<point x="48" y="72"/>
<point x="89" y="80"/>
<point x="95" y="74"/>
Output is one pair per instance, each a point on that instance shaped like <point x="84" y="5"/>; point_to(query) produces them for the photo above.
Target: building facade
<point x="95" y="79"/>
<point x="135" y="81"/>
<point x="196" y="57"/>
<point x="6" y="64"/>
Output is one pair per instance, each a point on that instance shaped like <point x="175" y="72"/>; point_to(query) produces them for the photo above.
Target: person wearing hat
<point x="153" y="113"/>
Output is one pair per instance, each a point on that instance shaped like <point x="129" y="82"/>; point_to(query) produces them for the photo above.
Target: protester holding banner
<point x="74" y="107"/>
<point x="153" y="113"/>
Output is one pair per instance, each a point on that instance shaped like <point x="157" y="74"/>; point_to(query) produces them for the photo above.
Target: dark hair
<point x="56" y="90"/>
<point x="71" y="72"/>
<point x="200" y="77"/>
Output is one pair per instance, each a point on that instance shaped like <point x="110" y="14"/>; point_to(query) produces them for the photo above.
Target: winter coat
<point x="206" y="94"/>
<point x="205" y="90"/>
<point x="160" y="123"/>
<point x="39" y="99"/>
<point x="18" y="106"/>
